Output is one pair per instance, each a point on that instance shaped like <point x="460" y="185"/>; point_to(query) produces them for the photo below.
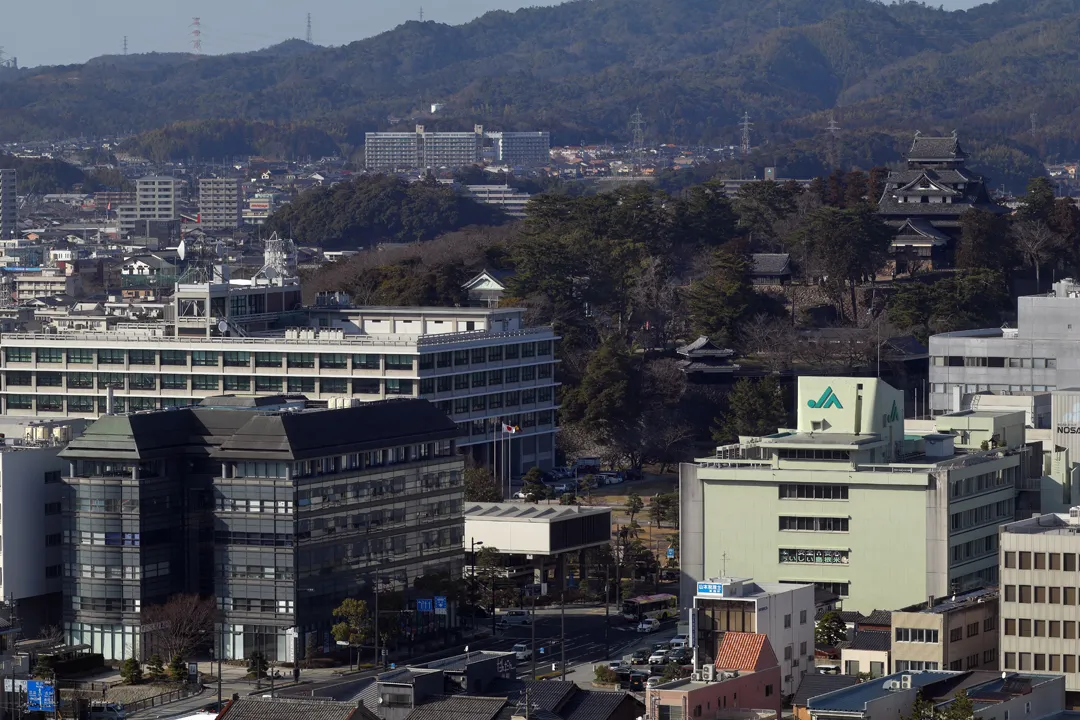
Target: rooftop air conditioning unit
<point x="696" y="677"/>
<point x="892" y="685"/>
<point x="905" y="682"/>
<point x="708" y="673"/>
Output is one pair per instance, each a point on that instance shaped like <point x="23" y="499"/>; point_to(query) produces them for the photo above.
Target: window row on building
<point x="1040" y="661"/>
<point x="995" y="388"/>
<point x="840" y="588"/>
<point x="916" y="635"/>
<point x="1026" y="627"/>
<point x="813" y="491"/>
<point x="814" y="524"/>
<point x="983" y="515"/>
<point x="1052" y="595"/>
<point x="980" y="483"/>
<point x="291" y="360"/>
<point x="1025" y="560"/>
<point x="814" y="557"/>
<point x="994" y="362"/>
<point x="974" y="549"/>
<point x="268" y="383"/>
<point x="914" y="665"/>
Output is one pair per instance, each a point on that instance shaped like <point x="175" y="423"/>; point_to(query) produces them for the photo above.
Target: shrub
<point x="604" y="674"/>
<point x="155" y="667"/>
<point x="131" y="671"/>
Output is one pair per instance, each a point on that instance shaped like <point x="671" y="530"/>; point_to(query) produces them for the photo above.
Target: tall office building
<point x="276" y="512"/>
<point x="220" y="203"/>
<point x="157" y="200"/>
<point x="833" y="494"/>
<point x="9" y="208"/>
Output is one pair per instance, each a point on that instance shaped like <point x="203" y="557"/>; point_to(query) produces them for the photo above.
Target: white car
<point x="652" y="682"/>
<point x="648" y="625"/>
<point x="658" y="657"/>
<point x="522" y="651"/>
<point x="679" y="642"/>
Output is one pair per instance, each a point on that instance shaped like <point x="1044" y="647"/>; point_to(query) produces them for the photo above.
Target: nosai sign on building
<point x="828" y="399"/>
<point x="708" y="588"/>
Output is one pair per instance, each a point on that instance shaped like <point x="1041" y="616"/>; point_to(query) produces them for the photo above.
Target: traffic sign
<point x="424" y="605"/>
<point x="671" y="552"/>
<point x="440" y="604"/>
<point x="40" y="696"/>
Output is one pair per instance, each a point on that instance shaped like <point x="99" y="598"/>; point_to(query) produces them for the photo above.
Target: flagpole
<point x="494" y="470"/>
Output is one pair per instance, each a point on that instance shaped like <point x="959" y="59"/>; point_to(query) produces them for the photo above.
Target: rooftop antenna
<point x="746" y="125"/>
<point x="196" y="36"/>
<point x="309" y="40"/>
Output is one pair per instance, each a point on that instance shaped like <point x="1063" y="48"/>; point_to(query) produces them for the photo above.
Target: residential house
<point x="814" y="685"/>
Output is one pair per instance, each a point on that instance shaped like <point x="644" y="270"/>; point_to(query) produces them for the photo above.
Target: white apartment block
<point x="481" y="366"/>
<point x="8" y="205"/>
<point x="423" y="149"/>
<point x="220" y="203"/>
<point x="157" y="198"/>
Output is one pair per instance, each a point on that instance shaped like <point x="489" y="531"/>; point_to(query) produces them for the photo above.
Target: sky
<point x="55" y="32"/>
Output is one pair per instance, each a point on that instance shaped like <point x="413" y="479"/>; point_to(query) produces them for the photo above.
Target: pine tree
<point x="830" y="630"/>
<point x="721" y="300"/>
<point x="754" y="408"/>
<point x="131" y="671"/>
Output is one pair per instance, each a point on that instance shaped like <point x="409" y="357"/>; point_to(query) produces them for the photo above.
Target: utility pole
<point x="607" y="611"/>
<point x="562" y="631"/>
<point x="532" y="624"/>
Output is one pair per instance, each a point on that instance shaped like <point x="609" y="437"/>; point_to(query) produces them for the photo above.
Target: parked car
<point x="561" y="473"/>
<point x="658" y="657"/>
<point x="637" y="682"/>
<point x="610" y="478"/>
<point x="586" y="465"/>
<point x="616" y="664"/>
<point x="562" y="488"/>
<point x="679" y="641"/>
<point x="522" y="651"/>
<point x="681" y="656"/>
<point x="652" y="682"/>
<point x="639" y="657"/>
<point x="663" y="645"/>
<point x="648" y="625"/>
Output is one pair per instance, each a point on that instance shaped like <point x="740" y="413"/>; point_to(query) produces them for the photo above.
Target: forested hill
<point x="580" y="69"/>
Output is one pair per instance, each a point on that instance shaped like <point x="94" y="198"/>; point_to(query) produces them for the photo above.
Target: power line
<point x="196" y="36"/>
<point x="746" y="125"/>
<point x="309" y="36"/>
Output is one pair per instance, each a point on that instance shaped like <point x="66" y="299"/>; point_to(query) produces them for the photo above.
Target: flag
<point x="510" y="428"/>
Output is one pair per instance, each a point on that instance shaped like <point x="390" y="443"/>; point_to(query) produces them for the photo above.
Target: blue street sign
<point x="40" y="696"/>
<point x="440" y="604"/>
<point x="671" y="552"/>
<point x="424" y="606"/>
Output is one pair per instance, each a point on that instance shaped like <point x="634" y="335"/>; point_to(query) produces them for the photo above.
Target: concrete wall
<point x="876" y="661"/>
<point x="798" y="602"/>
<point x="691" y="532"/>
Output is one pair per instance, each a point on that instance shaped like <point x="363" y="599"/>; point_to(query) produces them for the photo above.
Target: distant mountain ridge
<point x="580" y="69"/>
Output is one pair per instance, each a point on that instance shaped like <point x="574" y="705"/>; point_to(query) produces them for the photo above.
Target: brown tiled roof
<point x="745" y="651"/>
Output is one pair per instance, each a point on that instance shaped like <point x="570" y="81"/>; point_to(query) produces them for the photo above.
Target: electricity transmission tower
<point x="637" y="141"/>
<point x="309" y="36"/>
<point x="746" y="125"/>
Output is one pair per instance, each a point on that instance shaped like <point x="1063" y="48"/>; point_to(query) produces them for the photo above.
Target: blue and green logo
<point x="827" y="400"/>
<point x="894" y="416"/>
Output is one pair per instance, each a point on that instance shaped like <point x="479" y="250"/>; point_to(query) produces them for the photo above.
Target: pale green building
<point x="850" y="503"/>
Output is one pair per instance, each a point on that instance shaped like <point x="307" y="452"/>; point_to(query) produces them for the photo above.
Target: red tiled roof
<point x="746" y="652"/>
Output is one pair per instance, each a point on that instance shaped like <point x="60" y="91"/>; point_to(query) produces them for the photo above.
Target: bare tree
<point x="1037" y="243"/>
<point x="52" y="634"/>
<point x="180" y="625"/>
<point x="772" y="339"/>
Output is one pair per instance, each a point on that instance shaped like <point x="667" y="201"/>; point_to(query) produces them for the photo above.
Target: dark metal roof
<point x="874" y="640"/>
<point x="877" y="617"/>
<point x="459" y="707"/>
<point x="814" y="685"/>
<point x="250" y="708"/>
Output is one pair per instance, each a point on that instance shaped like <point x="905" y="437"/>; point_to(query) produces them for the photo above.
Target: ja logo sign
<point x="827" y="400"/>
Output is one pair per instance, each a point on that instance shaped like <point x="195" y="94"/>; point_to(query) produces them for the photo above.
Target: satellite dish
<point x="222" y="326"/>
<point x="181" y="250"/>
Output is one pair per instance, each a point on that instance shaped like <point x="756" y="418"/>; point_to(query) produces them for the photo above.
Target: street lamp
<point x="378" y="583"/>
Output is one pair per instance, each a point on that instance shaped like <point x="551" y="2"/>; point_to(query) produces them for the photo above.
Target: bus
<point x="661" y="607"/>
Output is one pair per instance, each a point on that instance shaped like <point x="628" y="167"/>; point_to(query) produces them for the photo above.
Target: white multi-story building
<point x="157" y="199"/>
<point x="481" y="366"/>
<point x="220" y="203"/>
<point x="521" y="149"/>
<point x="8" y="205"/>
<point x="423" y="149"/>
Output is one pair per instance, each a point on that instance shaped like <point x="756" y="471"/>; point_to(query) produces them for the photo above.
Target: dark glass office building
<point x="277" y="513"/>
